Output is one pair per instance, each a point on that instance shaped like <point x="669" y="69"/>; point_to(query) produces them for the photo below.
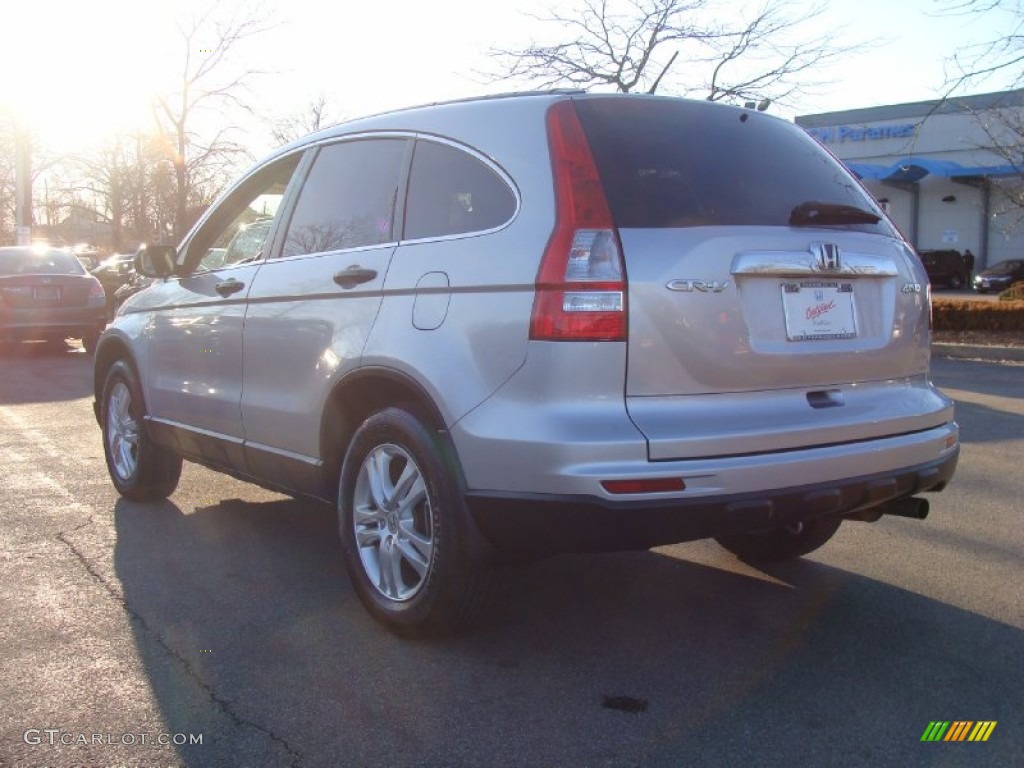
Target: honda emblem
<point x="826" y="257"/>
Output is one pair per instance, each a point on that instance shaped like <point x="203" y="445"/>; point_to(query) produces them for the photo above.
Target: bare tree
<point x="104" y="176"/>
<point x="48" y="167"/>
<point x="1002" y="55"/>
<point x="630" y="45"/>
<point x="317" y="114"/>
<point x="208" y="83"/>
<point x="7" y="178"/>
<point x="125" y="180"/>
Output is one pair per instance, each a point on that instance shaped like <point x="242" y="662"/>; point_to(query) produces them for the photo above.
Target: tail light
<point x="96" y="290"/>
<point x="581" y="284"/>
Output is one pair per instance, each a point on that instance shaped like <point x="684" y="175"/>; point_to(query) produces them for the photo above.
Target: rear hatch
<point x="772" y="306"/>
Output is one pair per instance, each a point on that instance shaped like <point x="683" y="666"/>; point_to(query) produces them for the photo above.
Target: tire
<point x="140" y="469"/>
<point x="956" y="282"/>
<point x="784" y="543"/>
<point x="401" y="516"/>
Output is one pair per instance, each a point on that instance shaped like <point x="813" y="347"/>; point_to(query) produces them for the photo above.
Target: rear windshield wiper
<point x="812" y="212"/>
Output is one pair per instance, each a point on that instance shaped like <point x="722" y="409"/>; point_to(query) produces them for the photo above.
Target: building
<point x="81" y="225"/>
<point x="947" y="171"/>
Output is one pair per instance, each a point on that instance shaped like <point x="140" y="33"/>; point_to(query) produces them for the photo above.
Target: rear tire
<point x="956" y="282"/>
<point x="787" y="542"/>
<point x="140" y="469"/>
<point x="401" y="518"/>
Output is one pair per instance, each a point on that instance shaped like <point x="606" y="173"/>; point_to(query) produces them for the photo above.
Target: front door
<point x="194" y="380"/>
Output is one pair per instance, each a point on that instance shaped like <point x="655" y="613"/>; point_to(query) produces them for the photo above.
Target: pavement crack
<point x="224" y="705"/>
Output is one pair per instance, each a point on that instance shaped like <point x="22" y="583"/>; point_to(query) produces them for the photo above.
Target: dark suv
<point x="532" y="324"/>
<point x="946" y="267"/>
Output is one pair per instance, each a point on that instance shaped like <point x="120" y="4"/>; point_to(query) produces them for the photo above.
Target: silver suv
<point x="537" y="323"/>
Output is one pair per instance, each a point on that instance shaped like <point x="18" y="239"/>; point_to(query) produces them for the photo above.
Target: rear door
<point x="772" y="305"/>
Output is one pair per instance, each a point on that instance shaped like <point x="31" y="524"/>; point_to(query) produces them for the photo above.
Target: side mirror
<point x="156" y="260"/>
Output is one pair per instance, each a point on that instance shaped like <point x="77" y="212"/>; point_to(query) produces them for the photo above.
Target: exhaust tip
<point x="913" y="507"/>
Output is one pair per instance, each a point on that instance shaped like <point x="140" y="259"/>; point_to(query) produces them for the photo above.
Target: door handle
<point x="229" y="286"/>
<point x="352" y="276"/>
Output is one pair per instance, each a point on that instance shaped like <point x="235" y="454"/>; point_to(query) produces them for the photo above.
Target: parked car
<point x="538" y="323"/>
<point x="113" y="272"/>
<point x="999" y="276"/>
<point x="45" y="293"/>
<point x="135" y="284"/>
<point x="946" y="267"/>
<point x="88" y="254"/>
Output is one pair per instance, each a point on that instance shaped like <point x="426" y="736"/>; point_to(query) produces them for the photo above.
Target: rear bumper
<point x="57" y="322"/>
<point x="528" y="524"/>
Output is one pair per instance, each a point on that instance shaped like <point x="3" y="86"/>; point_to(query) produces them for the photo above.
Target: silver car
<point x="537" y="323"/>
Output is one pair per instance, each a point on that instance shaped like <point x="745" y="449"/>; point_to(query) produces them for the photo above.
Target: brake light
<point x="581" y="284"/>
<point x="96" y="290"/>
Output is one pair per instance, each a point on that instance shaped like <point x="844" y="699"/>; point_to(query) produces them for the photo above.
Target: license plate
<point x="818" y="311"/>
<point x="47" y="293"/>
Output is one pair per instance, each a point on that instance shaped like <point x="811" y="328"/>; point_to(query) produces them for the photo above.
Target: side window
<point x="348" y="200"/>
<point x="451" y="192"/>
<point x="237" y="232"/>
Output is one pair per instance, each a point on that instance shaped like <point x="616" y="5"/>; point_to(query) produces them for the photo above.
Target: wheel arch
<point x="110" y="350"/>
<point x="359" y="395"/>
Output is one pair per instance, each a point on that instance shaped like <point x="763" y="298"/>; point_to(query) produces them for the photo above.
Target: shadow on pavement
<point x="252" y="635"/>
<point x="985" y="378"/>
<point x="65" y="367"/>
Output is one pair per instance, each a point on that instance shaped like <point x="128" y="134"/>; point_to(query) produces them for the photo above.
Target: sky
<point x="81" y="71"/>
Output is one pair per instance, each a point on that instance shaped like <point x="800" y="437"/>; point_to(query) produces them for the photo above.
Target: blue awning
<point x="913" y="169"/>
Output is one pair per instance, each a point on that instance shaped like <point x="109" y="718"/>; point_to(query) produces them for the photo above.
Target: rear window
<point x="30" y="262"/>
<point x="673" y="163"/>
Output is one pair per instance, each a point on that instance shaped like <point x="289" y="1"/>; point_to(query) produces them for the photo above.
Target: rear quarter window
<point x="675" y="163"/>
<point x="451" y="192"/>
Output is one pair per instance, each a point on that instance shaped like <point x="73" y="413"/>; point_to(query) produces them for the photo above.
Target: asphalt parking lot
<point x="224" y="614"/>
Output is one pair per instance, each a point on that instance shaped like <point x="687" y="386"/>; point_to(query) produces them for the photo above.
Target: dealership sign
<point x="839" y="134"/>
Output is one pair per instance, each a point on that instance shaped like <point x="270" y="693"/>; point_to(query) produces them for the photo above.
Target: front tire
<point x="786" y="542"/>
<point x="140" y="469"/>
<point x="401" y="516"/>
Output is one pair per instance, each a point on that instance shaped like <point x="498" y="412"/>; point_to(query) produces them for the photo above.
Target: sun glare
<point x="77" y="73"/>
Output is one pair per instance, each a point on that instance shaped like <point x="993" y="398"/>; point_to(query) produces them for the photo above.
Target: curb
<point x="978" y="352"/>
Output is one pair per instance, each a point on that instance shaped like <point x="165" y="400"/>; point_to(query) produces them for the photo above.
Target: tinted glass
<point x="349" y="199"/>
<point x="25" y="261"/>
<point x="451" y="192"/>
<point x="670" y="163"/>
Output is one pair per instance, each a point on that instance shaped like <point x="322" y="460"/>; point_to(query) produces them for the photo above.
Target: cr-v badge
<point x="704" y="286"/>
